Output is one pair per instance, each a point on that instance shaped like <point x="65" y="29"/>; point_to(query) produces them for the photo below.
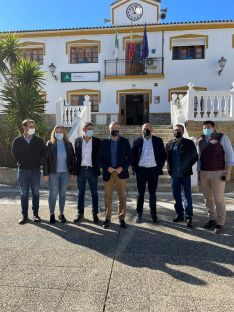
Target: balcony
<point x="122" y="69"/>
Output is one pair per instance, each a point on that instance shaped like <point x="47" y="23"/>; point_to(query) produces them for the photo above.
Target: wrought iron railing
<point x="122" y="67"/>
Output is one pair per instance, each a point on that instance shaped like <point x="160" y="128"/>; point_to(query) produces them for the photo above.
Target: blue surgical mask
<point x="208" y="131"/>
<point x="59" y="136"/>
<point x="89" y="133"/>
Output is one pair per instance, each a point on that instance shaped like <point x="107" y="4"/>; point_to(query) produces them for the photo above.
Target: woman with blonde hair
<point x="59" y="165"/>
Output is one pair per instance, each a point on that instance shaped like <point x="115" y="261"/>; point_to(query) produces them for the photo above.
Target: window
<point x="33" y="54"/>
<point x="188" y="52"/>
<point x="81" y="54"/>
<point x="78" y="100"/>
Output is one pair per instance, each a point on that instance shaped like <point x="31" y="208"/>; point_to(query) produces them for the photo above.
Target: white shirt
<point x="147" y="158"/>
<point x="87" y="153"/>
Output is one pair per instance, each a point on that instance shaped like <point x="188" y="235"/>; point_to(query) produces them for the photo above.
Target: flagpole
<point x="116" y="48"/>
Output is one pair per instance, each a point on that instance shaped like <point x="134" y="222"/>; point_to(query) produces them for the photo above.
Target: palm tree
<point x="9" y="54"/>
<point x="22" y="94"/>
<point x="23" y="84"/>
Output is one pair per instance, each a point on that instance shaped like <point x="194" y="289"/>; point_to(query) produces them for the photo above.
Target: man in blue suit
<point x="148" y="160"/>
<point x="115" y="158"/>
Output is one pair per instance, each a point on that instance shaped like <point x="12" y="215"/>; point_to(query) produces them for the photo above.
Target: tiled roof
<point x="119" y="26"/>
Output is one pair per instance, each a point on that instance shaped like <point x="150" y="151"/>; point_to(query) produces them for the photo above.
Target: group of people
<point x="114" y="155"/>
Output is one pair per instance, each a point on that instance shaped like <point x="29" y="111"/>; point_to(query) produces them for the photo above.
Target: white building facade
<point x="134" y="90"/>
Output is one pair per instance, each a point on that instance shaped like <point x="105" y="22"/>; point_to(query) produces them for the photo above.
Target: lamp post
<point x="222" y="62"/>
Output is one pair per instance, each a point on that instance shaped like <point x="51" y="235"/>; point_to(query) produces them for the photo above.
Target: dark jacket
<point x="189" y="156"/>
<point x="50" y="162"/>
<point x="96" y="144"/>
<point x="28" y="156"/>
<point x="124" y="157"/>
<point x="159" y="153"/>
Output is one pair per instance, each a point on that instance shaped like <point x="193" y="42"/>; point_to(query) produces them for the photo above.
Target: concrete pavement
<point x="68" y="267"/>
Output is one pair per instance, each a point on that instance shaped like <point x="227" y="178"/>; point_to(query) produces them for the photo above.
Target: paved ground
<point x="68" y="267"/>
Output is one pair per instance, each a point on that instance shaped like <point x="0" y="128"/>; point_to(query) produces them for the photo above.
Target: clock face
<point x="134" y="11"/>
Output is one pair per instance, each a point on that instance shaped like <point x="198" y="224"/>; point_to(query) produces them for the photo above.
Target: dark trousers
<point x="29" y="178"/>
<point x="182" y="185"/>
<point x="150" y="176"/>
<point x="87" y="174"/>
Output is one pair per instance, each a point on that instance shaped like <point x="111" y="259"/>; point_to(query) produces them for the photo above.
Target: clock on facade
<point x="134" y="11"/>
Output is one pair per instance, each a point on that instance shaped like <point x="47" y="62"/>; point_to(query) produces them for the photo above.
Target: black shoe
<point x="189" y="223"/>
<point x="23" y="220"/>
<point x="62" y="219"/>
<point x="155" y="219"/>
<point x="210" y="225"/>
<point x="36" y="218"/>
<point x="79" y="218"/>
<point x="219" y="229"/>
<point x="52" y="219"/>
<point x="138" y="218"/>
<point x="123" y="224"/>
<point x="95" y="219"/>
<point x="178" y="219"/>
<point x="106" y="224"/>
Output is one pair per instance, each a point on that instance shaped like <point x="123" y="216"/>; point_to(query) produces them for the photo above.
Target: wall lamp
<point x="52" y="69"/>
<point x="222" y="62"/>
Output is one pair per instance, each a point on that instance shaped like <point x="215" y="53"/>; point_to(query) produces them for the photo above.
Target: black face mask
<point x="178" y="135"/>
<point x="114" y="133"/>
<point x="146" y="132"/>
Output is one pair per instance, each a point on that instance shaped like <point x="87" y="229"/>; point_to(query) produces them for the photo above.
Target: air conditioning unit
<point x="149" y="62"/>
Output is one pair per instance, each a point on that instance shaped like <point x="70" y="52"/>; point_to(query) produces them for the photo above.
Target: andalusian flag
<point x="116" y="45"/>
<point x="131" y="49"/>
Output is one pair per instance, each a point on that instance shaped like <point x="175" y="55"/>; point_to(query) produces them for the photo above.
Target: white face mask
<point x="31" y="131"/>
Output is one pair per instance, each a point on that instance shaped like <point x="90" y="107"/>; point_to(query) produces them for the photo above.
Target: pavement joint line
<point x="111" y="272"/>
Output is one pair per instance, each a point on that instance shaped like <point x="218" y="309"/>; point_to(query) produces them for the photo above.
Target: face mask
<point x="208" y="131"/>
<point x="178" y="135"/>
<point x="89" y="133"/>
<point x="114" y="133"/>
<point x="146" y="132"/>
<point x="58" y="136"/>
<point x="31" y="131"/>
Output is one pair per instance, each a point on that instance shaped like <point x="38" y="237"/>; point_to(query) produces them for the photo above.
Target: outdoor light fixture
<point x="52" y="69"/>
<point x="222" y="62"/>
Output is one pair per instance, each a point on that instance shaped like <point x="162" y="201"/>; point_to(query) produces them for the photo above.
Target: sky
<point x="47" y="14"/>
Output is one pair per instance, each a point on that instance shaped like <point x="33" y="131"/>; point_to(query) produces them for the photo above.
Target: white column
<point x="191" y="95"/>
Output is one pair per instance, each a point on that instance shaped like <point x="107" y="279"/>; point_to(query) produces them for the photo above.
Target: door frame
<point x="122" y="105"/>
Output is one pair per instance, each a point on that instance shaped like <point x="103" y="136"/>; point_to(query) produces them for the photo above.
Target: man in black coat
<point x="29" y="150"/>
<point x="148" y="161"/>
<point x="115" y="158"/>
<point x="181" y="156"/>
<point x="87" y="168"/>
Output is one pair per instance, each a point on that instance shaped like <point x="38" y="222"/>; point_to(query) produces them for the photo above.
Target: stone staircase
<point x="131" y="133"/>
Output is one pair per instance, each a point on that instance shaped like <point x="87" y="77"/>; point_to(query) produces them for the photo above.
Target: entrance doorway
<point x="134" y="109"/>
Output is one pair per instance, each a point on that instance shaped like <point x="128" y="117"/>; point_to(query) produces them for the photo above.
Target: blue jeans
<point x="58" y="183"/>
<point x="29" y="178"/>
<point x="182" y="185"/>
<point x="87" y="174"/>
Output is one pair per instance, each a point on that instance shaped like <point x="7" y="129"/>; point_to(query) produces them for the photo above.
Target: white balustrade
<point x="73" y="117"/>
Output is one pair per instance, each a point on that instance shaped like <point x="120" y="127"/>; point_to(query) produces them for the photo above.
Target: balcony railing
<point x="122" y="67"/>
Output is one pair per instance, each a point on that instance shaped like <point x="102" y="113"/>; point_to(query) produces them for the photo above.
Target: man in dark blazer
<point x="87" y="168"/>
<point x="148" y="160"/>
<point x="115" y="158"/>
